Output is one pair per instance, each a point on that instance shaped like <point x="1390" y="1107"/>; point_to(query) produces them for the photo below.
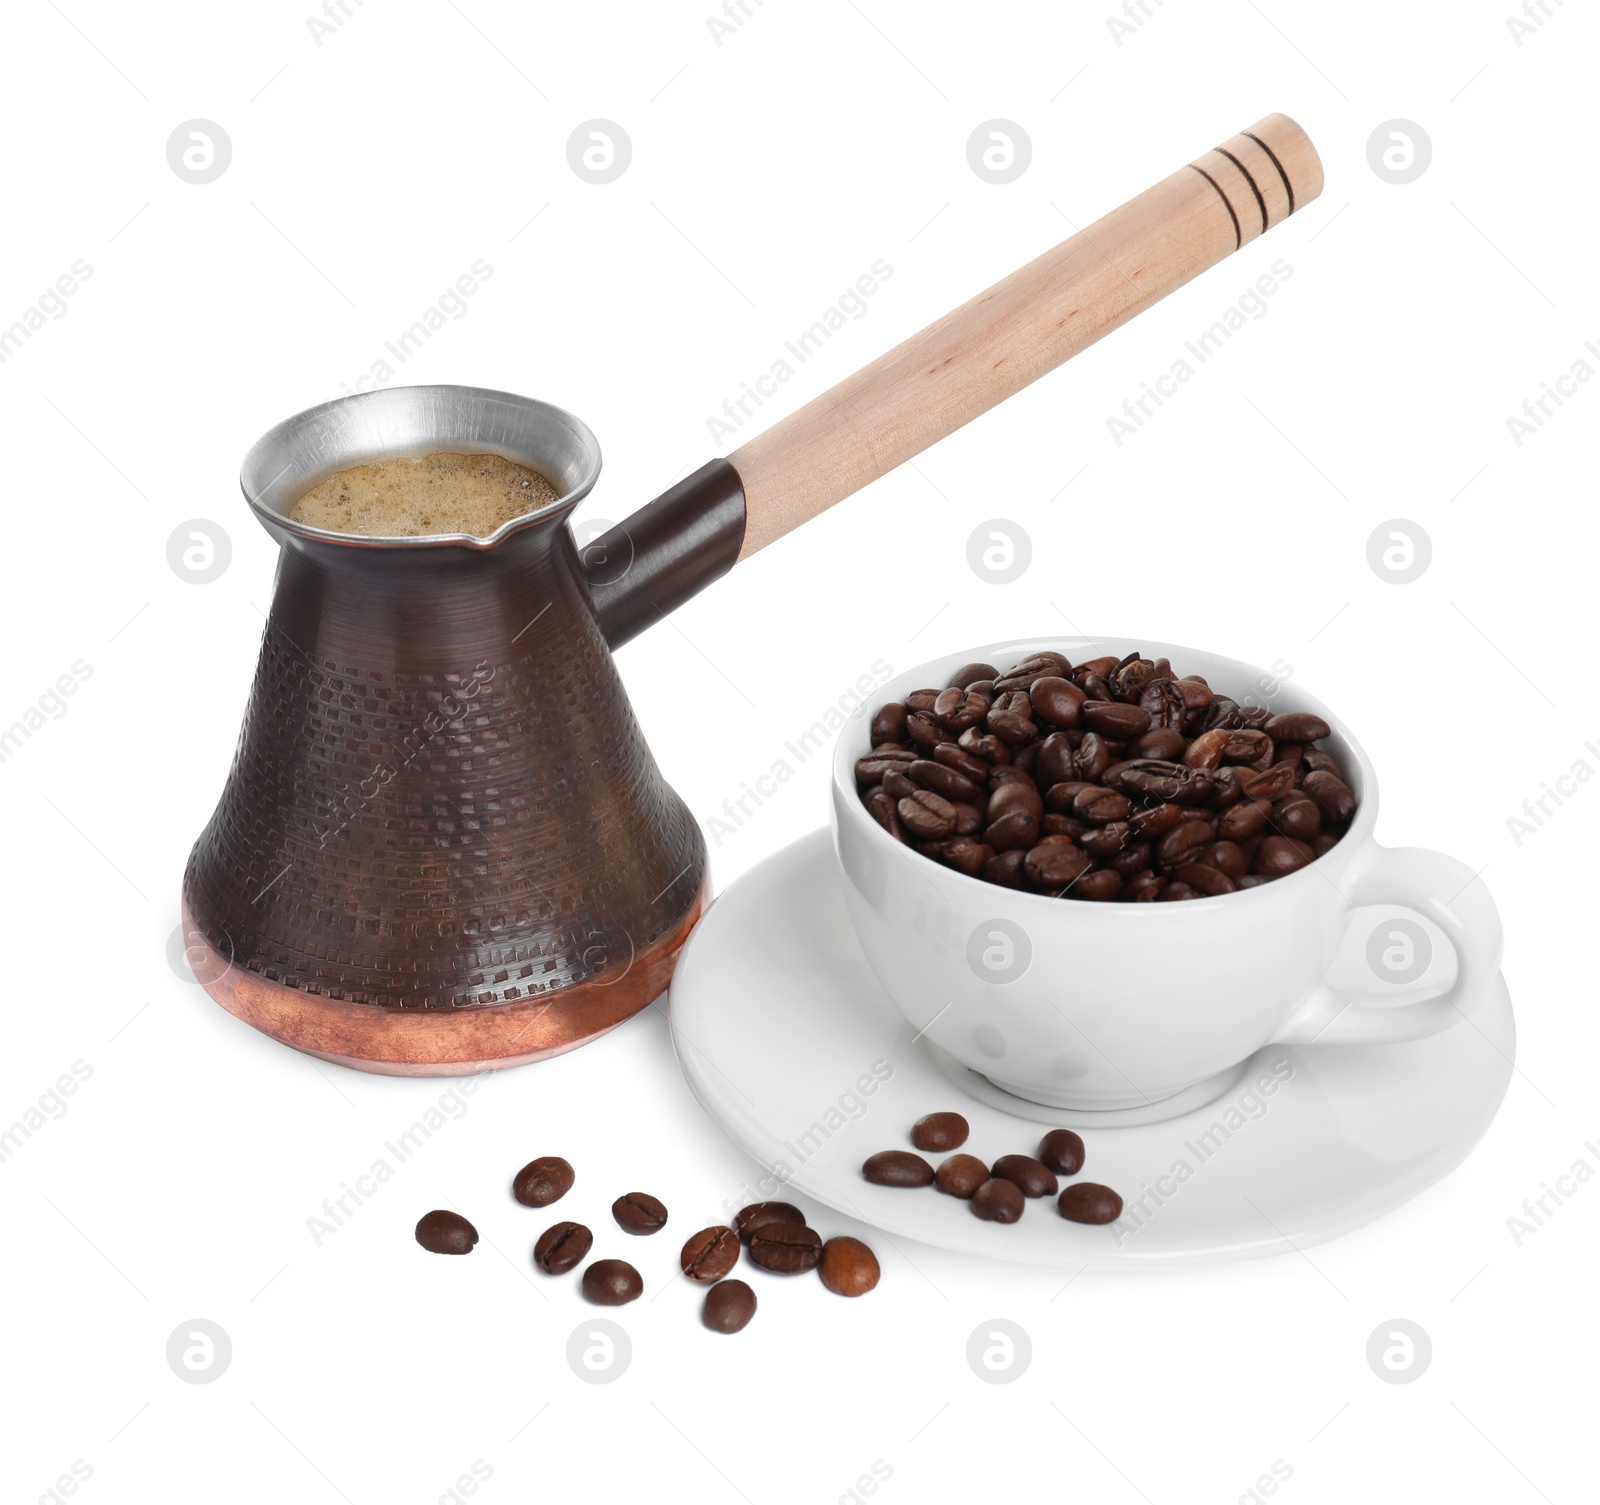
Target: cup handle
<point x="1448" y="893"/>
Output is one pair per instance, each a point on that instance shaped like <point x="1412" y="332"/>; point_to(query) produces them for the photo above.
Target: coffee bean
<point x="612" y="1282"/>
<point x="709" y="1254"/>
<point x="1028" y="1175"/>
<point x="997" y="1201"/>
<point x="1074" y="780"/>
<point x="897" y="1168"/>
<point x="640" y="1213"/>
<point x="443" y="1232"/>
<point x="848" y="1267"/>
<point x="543" y="1181"/>
<point x="961" y="1175"/>
<point x="1297" y="726"/>
<point x="940" y="1131"/>
<point x="562" y="1247"/>
<point x="1089" y="1202"/>
<point x="786" y="1248"/>
<point x="730" y="1304"/>
<point x="1062" y="1151"/>
<point x="759" y="1214"/>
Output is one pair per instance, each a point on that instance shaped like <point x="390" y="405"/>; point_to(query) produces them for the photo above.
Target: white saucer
<point x="781" y="1029"/>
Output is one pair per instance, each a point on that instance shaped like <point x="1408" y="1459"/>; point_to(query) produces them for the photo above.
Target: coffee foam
<point x="439" y="493"/>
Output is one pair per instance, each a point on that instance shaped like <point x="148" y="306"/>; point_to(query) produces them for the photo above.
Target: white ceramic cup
<point x="1109" y="1006"/>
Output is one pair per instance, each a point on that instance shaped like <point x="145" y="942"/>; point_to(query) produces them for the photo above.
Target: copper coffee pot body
<point x="444" y="844"/>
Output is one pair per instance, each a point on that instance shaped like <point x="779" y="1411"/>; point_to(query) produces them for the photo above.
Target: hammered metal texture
<point x="440" y="798"/>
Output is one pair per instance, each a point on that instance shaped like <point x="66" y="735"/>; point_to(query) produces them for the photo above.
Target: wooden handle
<point x="1022" y="327"/>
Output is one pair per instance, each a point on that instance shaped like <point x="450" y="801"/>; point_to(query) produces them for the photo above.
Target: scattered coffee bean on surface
<point x="939" y="1132"/>
<point x="848" y="1267"/>
<point x="638" y="1212"/>
<point x="1078" y="782"/>
<point x="759" y="1214"/>
<point x="1062" y="1151"/>
<point x="1028" y="1175"/>
<point x="786" y="1248"/>
<point x="612" y="1282"/>
<point x="543" y="1181"/>
<point x="1089" y="1202"/>
<point x="562" y="1247"/>
<point x="709" y="1254"/>
<point x="998" y="1201"/>
<point x="897" y="1168"/>
<point x="442" y="1232"/>
<point x="960" y="1175"/>
<point x="730" y="1304"/>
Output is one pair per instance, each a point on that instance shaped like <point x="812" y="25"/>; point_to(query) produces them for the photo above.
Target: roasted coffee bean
<point x="730" y="1304"/>
<point x="612" y="1282"/>
<point x="960" y="1175"/>
<point x="897" y="1168"/>
<point x="953" y="755"/>
<point x="1089" y="1202"/>
<point x="1297" y="815"/>
<point x="543" y="1181"/>
<point x="1031" y="1177"/>
<point x="1055" y="863"/>
<point x="786" y="1248"/>
<point x="927" y="815"/>
<point x="1056" y="701"/>
<point x="709" y="1254"/>
<point x="1062" y="1151"/>
<point x="1203" y="878"/>
<point x="997" y="1201"/>
<point x="640" y="1213"/>
<point x="1111" y="718"/>
<point x="445" y="1232"/>
<point x="1006" y="868"/>
<point x="1077" y="779"/>
<point x="938" y="1132"/>
<point x="759" y="1214"/>
<point x="1279" y="855"/>
<point x="928" y="773"/>
<point x="848" y="1267"/>
<point x="1143" y="887"/>
<point x="1297" y="726"/>
<point x="562" y="1247"/>
<point x="889" y="725"/>
<point x="1226" y="857"/>
<point x="1018" y="829"/>
<point x="1333" y="796"/>
<point x="1100" y="885"/>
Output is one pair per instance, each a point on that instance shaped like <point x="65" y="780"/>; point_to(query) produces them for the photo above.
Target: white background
<point x="768" y="174"/>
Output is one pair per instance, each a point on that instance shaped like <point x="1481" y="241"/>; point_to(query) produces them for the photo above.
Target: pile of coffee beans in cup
<point x="774" y="1236"/>
<point x="996" y="1193"/>
<point x="1113" y="779"/>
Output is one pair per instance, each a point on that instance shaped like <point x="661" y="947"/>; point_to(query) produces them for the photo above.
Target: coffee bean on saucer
<point x="638" y="1212"/>
<point x="786" y="1248"/>
<point x="848" y="1267"/>
<point x="543" y="1181"/>
<point x="759" y="1214"/>
<point x="1089" y="1202"/>
<point x="897" y="1168"/>
<point x="1062" y="1151"/>
<point x="730" y="1304"/>
<point x="1025" y="1173"/>
<point x="940" y="1131"/>
<point x="997" y="1201"/>
<point x="961" y="1175"/>
<point x="612" y="1282"/>
<point x="710" y="1254"/>
<point x="562" y="1247"/>
<point x="442" y="1232"/>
